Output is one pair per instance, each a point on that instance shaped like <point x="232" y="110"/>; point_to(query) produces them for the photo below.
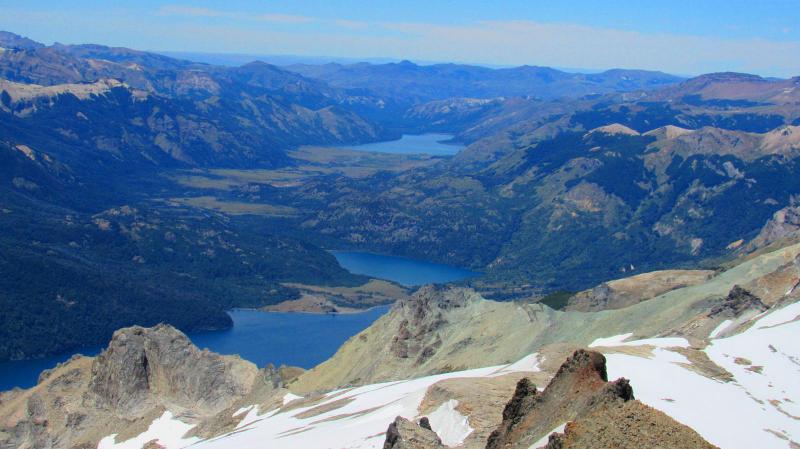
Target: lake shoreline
<point x="345" y="311"/>
<point x="433" y="144"/>
<point x="408" y="272"/>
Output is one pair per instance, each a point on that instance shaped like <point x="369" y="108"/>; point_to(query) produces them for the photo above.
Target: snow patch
<point x="717" y="330"/>
<point x="289" y="397"/>
<point x="529" y="363"/>
<point x="619" y="340"/>
<point x="362" y="421"/>
<point x="545" y="439"/>
<point x="779" y="316"/>
<point x="249" y="418"/>
<point x="167" y="430"/>
<point x="615" y="340"/>
<point x="241" y="410"/>
<point x="762" y="401"/>
<point x="451" y="426"/>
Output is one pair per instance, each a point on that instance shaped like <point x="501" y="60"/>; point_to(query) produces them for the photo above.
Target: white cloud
<point x="175" y="10"/>
<point x="351" y="24"/>
<point x="495" y="42"/>
<point x="285" y="18"/>
<point x="190" y="11"/>
<point x="570" y="45"/>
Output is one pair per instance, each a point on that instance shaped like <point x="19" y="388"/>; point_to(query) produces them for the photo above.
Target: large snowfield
<point x="758" y="408"/>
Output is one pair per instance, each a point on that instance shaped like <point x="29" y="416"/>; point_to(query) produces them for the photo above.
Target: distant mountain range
<point x="419" y="84"/>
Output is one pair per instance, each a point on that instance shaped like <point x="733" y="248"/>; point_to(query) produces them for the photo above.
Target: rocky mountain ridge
<point x="142" y="373"/>
<point x="444" y="329"/>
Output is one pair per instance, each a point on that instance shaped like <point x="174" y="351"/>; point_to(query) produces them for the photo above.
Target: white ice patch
<point x="619" y="340"/>
<point x="451" y="426"/>
<point x="717" y="330"/>
<point x="545" y="439"/>
<point x="779" y="316"/>
<point x="741" y="414"/>
<point x="529" y="363"/>
<point x="359" y="424"/>
<point x="167" y="430"/>
<point x="249" y="418"/>
<point x="616" y="340"/>
<point x="289" y="397"/>
<point x="242" y="410"/>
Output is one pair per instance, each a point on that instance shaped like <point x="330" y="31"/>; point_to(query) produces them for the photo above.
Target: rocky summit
<point x="141" y="374"/>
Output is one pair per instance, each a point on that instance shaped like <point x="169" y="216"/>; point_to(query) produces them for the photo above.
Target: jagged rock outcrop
<point x="579" y="385"/>
<point x="580" y="395"/>
<point x="142" y="373"/>
<point x="736" y="303"/>
<point x="405" y="434"/>
<point x="423" y="315"/>
<point x="145" y="366"/>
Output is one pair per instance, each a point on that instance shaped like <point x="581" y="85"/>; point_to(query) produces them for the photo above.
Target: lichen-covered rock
<point x="404" y="434"/>
<point x="596" y="413"/>
<point x="736" y="303"/>
<point x="424" y="314"/>
<point x="141" y="364"/>
<point x="580" y="383"/>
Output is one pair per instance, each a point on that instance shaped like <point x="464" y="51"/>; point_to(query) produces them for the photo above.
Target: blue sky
<point x="679" y="36"/>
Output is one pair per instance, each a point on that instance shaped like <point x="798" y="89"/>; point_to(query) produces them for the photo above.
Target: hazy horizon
<point x="678" y="37"/>
<point x="234" y="59"/>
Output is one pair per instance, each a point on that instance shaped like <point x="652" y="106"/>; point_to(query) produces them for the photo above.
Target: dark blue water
<point x="405" y="271"/>
<point x="298" y="339"/>
<point x="413" y="144"/>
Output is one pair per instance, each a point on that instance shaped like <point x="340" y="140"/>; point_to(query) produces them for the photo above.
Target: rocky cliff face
<point x="579" y="385"/>
<point x="736" y="303"/>
<point x="142" y="373"/>
<point x="580" y="398"/>
<point x="405" y="434"/>
<point x="144" y="367"/>
<point x="423" y="316"/>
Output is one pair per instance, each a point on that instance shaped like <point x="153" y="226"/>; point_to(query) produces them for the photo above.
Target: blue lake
<point x="404" y="271"/>
<point x="298" y="339"/>
<point x="413" y="144"/>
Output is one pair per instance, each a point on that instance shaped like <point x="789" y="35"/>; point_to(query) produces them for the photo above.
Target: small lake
<point x="404" y="271"/>
<point x="413" y="144"/>
<point x="297" y="339"/>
